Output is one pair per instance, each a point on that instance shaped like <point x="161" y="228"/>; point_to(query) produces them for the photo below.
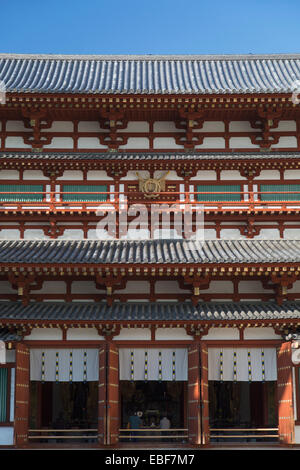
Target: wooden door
<point x="285" y="394"/>
<point x="22" y="395"/>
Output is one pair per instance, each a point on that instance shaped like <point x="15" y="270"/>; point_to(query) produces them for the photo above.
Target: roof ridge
<point x="150" y="57"/>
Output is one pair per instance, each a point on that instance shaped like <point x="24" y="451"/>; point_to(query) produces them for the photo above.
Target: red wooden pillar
<point x="286" y="423"/>
<point x="204" y="393"/>
<point x="22" y="395"/>
<point x="198" y="409"/>
<point x="108" y="428"/>
<point x="113" y="394"/>
<point x="102" y="396"/>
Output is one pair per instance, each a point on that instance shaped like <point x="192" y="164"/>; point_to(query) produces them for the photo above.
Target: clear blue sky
<point x="150" y="27"/>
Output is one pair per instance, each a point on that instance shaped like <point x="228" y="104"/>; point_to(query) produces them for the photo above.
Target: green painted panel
<point x="219" y="188"/>
<point x="3" y="394"/>
<point x="6" y="190"/>
<point x="280" y="187"/>
<point x="84" y="197"/>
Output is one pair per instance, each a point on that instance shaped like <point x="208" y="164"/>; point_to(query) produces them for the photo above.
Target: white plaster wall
<point x="52" y="287"/>
<point x="98" y="175"/>
<point x="165" y="126"/>
<point x="231" y="175"/>
<point x="222" y="334"/>
<point x="34" y="175"/>
<point x="136" y="143"/>
<point x="136" y="287"/>
<point x="285" y="126"/>
<point x="240" y="126"/>
<point x="168" y="287"/>
<point x="212" y="142"/>
<point x="16" y="126"/>
<point x="83" y="334"/>
<point x="41" y="334"/>
<point x="60" y="126"/>
<point x="37" y="234"/>
<point x="173" y="334"/>
<point x="131" y="334"/>
<point x="90" y="143"/>
<point x="6" y="288"/>
<point x="241" y="142"/>
<point x="85" y="287"/>
<point x="252" y="287"/>
<point x="219" y="287"/>
<point x="15" y="142"/>
<point x="71" y="175"/>
<point x="205" y="175"/>
<point x="136" y="126"/>
<point x="165" y="143"/>
<point x="9" y="174"/>
<point x="230" y="234"/>
<point x="288" y="174"/>
<point x="90" y="126"/>
<point x="286" y="141"/>
<point x="61" y="143"/>
<point x="268" y="234"/>
<point x="291" y="234"/>
<point x="212" y="126"/>
<point x="268" y="175"/>
<point x="70" y="234"/>
<point x="260" y="333"/>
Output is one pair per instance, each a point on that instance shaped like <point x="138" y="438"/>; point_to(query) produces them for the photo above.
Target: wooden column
<point x="22" y="395"/>
<point x="198" y="410"/>
<point x="108" y="428"/>
<point x="102" y="396"/>
<point x="204" y="393"/>
<point x="285" y="394"/>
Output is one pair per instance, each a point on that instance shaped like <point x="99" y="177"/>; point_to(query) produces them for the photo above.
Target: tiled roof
<point x="147" y="156"/>
<point x="143" y="311"/>
<point x="149" y="251"/>
<point x="7" y="335"/>
<point x="183" y="74"/>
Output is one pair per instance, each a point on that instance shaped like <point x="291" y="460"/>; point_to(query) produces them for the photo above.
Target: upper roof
<point x="150" y="74"/>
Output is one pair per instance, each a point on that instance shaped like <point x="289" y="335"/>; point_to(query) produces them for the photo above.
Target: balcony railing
<point x="57" y="201"/>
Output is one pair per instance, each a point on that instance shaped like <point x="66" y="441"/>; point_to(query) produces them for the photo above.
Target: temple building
<point x="149" y="250"/>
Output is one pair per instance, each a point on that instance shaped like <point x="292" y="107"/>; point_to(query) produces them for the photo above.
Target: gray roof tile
<point x="183" y="74"/>
<point x="149" y="251"/>
<point x="143" y="311"/>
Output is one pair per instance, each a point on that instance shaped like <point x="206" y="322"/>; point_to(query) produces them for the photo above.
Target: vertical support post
<point x="22" y="395"/>
<point x="286" y="423"/>
<point x="194" y="396"/>
<point x="108" y="425"/>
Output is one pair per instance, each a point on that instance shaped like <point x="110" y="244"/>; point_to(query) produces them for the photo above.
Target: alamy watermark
<point x="150" y="221"/>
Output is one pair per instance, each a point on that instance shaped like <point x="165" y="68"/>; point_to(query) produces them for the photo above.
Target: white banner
<point x="153" y="364"/>
<point x="242" y="364"/>
<point x="64" y="365"/>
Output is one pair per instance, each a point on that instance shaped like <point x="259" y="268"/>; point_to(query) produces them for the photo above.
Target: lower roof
<point x="161" y="251"/>
<point x="148" y="311"/>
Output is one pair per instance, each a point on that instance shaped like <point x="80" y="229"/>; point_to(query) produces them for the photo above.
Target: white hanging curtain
<point x="64" y="365"/>
<point x="242" y="364"/>
<point x="153" y="364"/>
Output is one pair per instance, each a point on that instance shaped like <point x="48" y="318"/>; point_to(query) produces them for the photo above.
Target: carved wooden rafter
<point x="37" y="121"/>
<point x="190" y="120"/>
<point x="267" y="120"/>
<point x="113" y="121"/>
